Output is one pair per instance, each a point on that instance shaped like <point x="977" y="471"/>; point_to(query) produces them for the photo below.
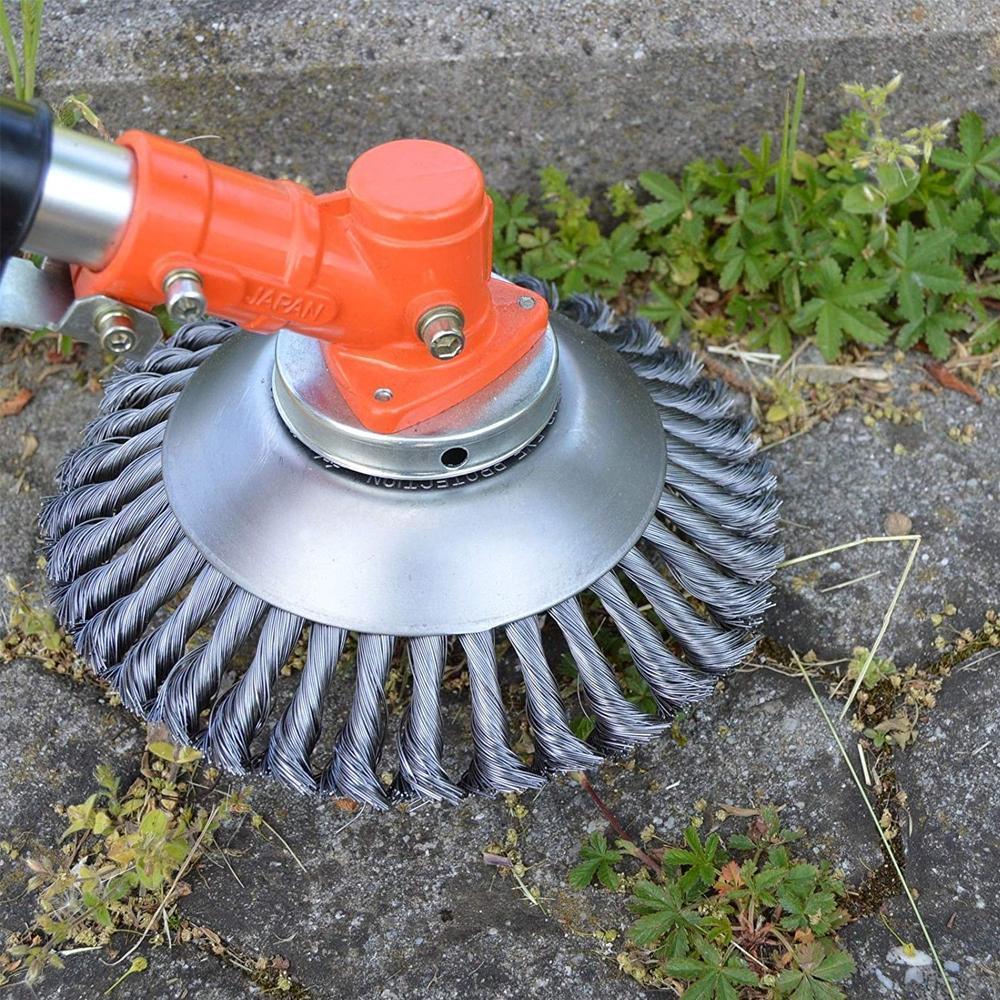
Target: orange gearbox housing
<point x="356" y="268"/>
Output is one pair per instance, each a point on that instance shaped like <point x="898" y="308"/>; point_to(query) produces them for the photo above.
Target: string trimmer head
<point x="424" y="461"/>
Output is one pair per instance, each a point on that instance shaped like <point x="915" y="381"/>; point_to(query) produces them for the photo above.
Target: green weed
<point x="31" y="631"/>
<point x="598" y="861"/>
<point x="727" y="919"/>
<point x="120" y="871"/>
<point x="22" y="65"/>
<point x="878" y="238"/>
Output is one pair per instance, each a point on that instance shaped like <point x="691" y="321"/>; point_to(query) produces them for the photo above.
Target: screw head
<point x="119" y="341"/>
<point x="526" y="302"/>
<point x="440" y="328"/>
<point x="383" y="395"/>
<point x="184" y="295"/>
<point x="446" y="344"/>
<point x="116" y="330"/>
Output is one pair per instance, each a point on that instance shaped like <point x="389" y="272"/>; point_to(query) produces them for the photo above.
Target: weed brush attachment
<point x="185" y="644"/>
<point x="425" y="465"/>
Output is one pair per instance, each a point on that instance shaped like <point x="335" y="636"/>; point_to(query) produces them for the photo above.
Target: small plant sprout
<point x="598" y="861"/>
<point x="119" y="875"/>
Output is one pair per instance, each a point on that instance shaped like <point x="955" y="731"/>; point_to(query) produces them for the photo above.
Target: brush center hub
<point x="488" y="427"/>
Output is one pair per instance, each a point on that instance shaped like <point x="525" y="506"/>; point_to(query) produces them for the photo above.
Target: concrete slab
<point x="841" y="481"/>
<point x="55" y="732"/>
<point x="952" y="851"/>
<point x="403" y="903"/>
<point x="602" y="90"/>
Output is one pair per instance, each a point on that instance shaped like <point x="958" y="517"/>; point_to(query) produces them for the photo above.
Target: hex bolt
<point x="440" y="328"/>
<point x="184" y="295"/>
<point x="116" y="330"/>
<point x="526" y="302"/>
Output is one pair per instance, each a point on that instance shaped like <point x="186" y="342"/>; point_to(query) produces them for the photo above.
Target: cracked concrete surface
<point x="402" y="905"/>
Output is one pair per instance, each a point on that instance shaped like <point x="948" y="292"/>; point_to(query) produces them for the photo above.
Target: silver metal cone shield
<point x="430" y="558"/>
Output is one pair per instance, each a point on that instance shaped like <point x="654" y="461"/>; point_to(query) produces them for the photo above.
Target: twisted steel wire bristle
<point x="494" y="766"/>
<point x="168" y="630"/>
<point x="296" y="733"/>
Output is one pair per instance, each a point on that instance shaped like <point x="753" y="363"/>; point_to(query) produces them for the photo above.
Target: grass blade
<point x="878" y="826"/>
<point x="790" y="140"/>
<point x="13" y="61"/>
<point x="885" y="626"/>
<point x="31" y="22"/>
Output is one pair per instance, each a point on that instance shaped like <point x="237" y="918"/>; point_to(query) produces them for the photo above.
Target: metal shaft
<point x="87" y="198"/>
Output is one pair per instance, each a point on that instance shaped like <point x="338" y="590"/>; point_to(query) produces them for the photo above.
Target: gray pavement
<point x="844" y="479"/>
<point x="401" y="905"/>
<point x="953" y="851"/>
<point x="601" y="89"/>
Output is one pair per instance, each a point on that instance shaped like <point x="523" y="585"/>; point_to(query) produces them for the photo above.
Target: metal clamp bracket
<point x="41" y="298"/>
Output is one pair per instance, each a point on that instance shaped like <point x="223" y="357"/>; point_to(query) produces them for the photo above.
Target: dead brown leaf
<point x="29" y="445"/>
<point x="730" y="878"/>
<point x="738" y="810"/>
<point x="835" y="374"/>
<point x="944" y="376"/>
<point x="497" y="860"/>
<point x="17" y="402"/>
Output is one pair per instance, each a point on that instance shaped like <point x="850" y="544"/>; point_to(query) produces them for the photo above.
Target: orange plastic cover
<point x="355" y="268"/>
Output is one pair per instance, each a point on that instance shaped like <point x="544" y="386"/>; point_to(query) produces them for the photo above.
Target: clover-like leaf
<point x="975" y="156"/>
<point x="839" y="308"/>
<point x="712" y="976"/>
<point x="816" y="967"/>
<point x="598" y="860"/>
<point x="934" y="328"/>
<point x="670" y="311"/>
<point x="669" y="200"/>
<point x="924" y="265"/>
<point x="665" y="920"/>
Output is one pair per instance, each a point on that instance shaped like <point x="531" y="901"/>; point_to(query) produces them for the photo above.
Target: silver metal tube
<point x="87" y="199"/>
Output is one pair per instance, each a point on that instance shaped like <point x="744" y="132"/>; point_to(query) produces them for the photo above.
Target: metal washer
<point x="488" y="427"/>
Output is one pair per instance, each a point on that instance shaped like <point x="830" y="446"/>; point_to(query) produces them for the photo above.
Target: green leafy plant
<point x="510" y="219"/>
<point x="120" y="871"/>
<point x="23" y="66"/>
<point x="977" y="158"/>
<point x="880" y="668"/>
<point x="817" y="968"/>
<point x="712" y="975"/>
<point x="71" y="112"/>
<point x="722" y="919"/>
<point x="839" y="308"/>
<point x="598" y="861"/>
<point x="880" y="237"/>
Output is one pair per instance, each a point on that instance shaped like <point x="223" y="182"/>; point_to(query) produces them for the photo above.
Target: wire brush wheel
<point x="185" y="645"/>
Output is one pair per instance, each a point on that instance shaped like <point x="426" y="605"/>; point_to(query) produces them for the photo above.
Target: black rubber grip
<point x="25" y="150"/>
